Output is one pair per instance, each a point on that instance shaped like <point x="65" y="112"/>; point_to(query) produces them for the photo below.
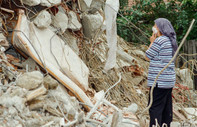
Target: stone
<point x="73" y="23"/>
<point x="133" y="108"/>
<point x="191" y="112"/>
<point x="30" y="80"/>
<point x="30" y="65"/>
<point x="85" y="5"/>
<point x="175" y="124"/>
<point x="185" y="77"/>
<point x="31" y="2"/>
<point x="43" y="20"/>
<point x="49" y="3"/>
<point x="15" y="101"/>
<point x="60" y="21"/>
<point x="91" y="23"/>
<point x="3" y="41"/>
<point x="50" y="82"/>
<point x="96" y="6"/>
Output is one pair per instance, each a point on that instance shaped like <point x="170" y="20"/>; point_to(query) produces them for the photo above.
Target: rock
<point x="30" y="65"/>
<point x="133" y="108"/>
<point x="74" y="23"/>
<point x="85" y="4"/>
<point x="96" y="6"/>
<point x="127" y="123"/>
<point x="91" y="23"/>
<point x="50" y="82"/>
<point x="175" y="124"/>
<point x="3" y="41"/>
<point x="43" y="20"/>
<point x="60" y="21"/>
<point x="49" y="3"/>
<point x="30" y="80"/>
<point x="191" y="113"/>
<point x="31" y="2"/>
<point x="15" y="101"/>
<point x="71" y="41"/>
<point x="185" y="77"/>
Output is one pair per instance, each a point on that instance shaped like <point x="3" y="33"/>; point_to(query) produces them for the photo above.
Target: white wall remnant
<point x="111" y="9"/>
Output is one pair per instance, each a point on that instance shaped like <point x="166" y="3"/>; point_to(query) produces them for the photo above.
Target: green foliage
<point x="144" y="12"/>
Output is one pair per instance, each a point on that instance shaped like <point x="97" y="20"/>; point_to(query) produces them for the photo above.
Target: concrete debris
<point x="185" y="77"/>
<point x="43" y="20"/>
<point x="191" y="114"/>
<point x="96" y="6"/>
<point x="73" y="23"/>
<point x="71" y="41"/>
<point x="31" y="2"/>
<point x="30" y="80"/>
<point x="49" y="82"/>
<point x="30" y="65"/>
<point x="85" y="4"/>
<point x="3" y="41"/>
<point x="31" y="96"/>
<point x="93" y="23"/>
<point x="60" y="21"/>
<point x="132" y="108"/>
<point x="49" y="3"/>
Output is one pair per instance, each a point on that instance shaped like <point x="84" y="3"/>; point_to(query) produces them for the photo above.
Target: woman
<point x="161" y="50"/>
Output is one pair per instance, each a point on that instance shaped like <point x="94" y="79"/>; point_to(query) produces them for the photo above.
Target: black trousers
<point x="161" y="108"/>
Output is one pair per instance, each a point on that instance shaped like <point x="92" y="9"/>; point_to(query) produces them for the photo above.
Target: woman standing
<point x="161" y="50"/>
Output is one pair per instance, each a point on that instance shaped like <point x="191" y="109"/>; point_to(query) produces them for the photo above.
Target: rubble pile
<point x="32" y="96"/>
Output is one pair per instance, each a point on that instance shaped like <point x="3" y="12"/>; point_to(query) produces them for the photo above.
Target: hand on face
<point x="154" y="34"/>
<point x="153" y="37"/>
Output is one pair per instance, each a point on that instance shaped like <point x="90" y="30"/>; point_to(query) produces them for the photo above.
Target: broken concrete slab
<point x="31" y="2"/>
<point x="43" y="20"/>
<point x="30" y="80"/>
<point x="60" y="21"/>
<point x="71" y="41"/>
<point x="92" y="23"/>
<point x="73" y="22"/>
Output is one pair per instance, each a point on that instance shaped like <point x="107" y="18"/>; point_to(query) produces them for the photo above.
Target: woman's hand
<point x="153" y="37"/>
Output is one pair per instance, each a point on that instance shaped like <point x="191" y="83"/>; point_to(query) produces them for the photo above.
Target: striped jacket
<point x="160" y="53"/>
